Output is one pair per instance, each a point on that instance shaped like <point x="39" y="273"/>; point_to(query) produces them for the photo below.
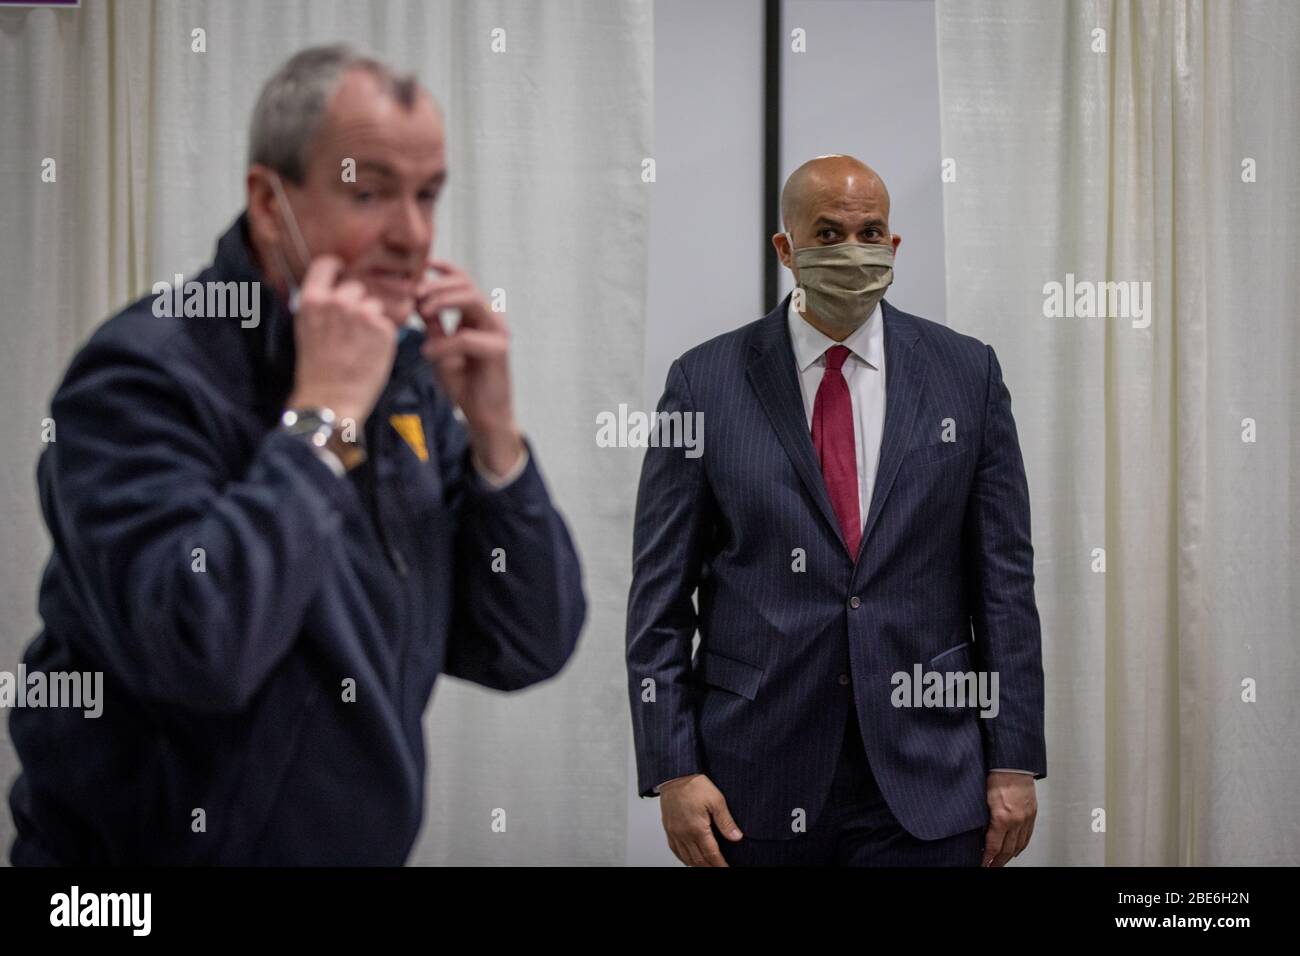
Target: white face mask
<point x="299" y="242"/>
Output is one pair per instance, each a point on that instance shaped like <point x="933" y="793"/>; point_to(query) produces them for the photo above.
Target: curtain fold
<point x="1151" y="144"/>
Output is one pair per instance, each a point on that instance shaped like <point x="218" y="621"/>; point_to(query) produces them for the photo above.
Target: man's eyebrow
<point x="373" y="166"/>
<point x="836" y="224"/>
<point x="387" y="172"/>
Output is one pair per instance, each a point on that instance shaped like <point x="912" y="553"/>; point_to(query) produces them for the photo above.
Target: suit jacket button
<point x="844" y="678"/>
<point x="855" y="602"/>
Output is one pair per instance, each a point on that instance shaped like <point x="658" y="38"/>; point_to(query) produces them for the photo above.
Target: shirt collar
<point x="271" y="342"/>
<point x="867" y="341"/>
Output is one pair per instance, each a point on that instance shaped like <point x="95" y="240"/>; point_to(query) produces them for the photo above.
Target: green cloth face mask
<point x="843" y="283"/>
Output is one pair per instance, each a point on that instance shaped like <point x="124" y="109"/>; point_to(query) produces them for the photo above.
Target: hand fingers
<point x="993" y="843"/>
<point x="712" y="853"/>
<point x="723" y="821"/>
<point x="460" y="294"/>
<point x="706" y="847"/>
<point x="467" y="343"/>
<point x="435" y="332"/>
<point x="373" y="309"/>
<point x="439" y="272"/>
<point x="1032" y="821"/>
<point x="677" y="850"/>
<point x="474" y="309"/>
<point x="475" y="344"/>
<point x="425" y="284"/>
<point x="1026" y="832"/>
<point x="350" y="294"/>
<point x="1009" y="843"/>
<point x="321" y="274"/>
<point x="447" y="357"/>
<point x="449" y="371"/>
<point x="694" y="854"/>
<point x="430" y="284"/>
<point x="443" y="265"/>
<point x="430" y="302"/>
<point x="432" y="305"/>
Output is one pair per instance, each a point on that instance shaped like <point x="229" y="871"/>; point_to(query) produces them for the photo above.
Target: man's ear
<point x="897" y="241"/>
<point x="264" y="221"/>
<point x="782" y="247"/>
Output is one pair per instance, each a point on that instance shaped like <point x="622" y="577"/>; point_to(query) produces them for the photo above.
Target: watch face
<point x="318" y="416"/>
<point x="315" y="422"/>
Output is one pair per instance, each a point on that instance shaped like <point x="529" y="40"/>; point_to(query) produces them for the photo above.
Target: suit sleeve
<point x="191" y="581"/>
<point x="517" y="627"/>
<point x="1000" y="569"/>
<point x="674" y="512"/>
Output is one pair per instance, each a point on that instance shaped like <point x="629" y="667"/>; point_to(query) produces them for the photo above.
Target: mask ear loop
<point x="790" y="240"/>
<point x="299" y="242"/>
<point x="293" y="286"/>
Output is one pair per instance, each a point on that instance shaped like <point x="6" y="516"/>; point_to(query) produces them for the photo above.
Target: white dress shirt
<point x="864" y="373"/>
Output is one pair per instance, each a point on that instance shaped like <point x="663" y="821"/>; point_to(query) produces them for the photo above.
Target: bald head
<point x="831" y="180"/>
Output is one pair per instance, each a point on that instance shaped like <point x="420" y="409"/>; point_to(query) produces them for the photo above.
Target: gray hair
<point x="291" y="107"/>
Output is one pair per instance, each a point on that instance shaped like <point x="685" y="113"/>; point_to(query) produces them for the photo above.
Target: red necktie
<point x="832" y="434"/>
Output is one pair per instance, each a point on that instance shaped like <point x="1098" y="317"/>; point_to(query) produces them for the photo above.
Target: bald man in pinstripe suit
<point x="855" y="532"/>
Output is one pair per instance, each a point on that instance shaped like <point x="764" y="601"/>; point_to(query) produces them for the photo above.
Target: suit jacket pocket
<point x="728" y="673"/>
<point x="953" y="656"/>
<point x="930" y="454"/>
<point x="961" y="693"/>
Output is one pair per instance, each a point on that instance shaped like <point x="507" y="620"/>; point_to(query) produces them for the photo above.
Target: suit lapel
<point x="773" y="377"/>
<point x="904" y="380"/>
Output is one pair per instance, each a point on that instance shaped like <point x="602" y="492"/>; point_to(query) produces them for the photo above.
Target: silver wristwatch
<point x="313" y="425"/>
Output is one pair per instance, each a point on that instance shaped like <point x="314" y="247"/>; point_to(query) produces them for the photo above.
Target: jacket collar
<point x="270" y="343"/>
<point x="773" y="376"/>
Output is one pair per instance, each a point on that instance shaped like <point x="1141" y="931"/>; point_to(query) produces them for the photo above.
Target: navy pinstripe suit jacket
<point x="944" y="578"/>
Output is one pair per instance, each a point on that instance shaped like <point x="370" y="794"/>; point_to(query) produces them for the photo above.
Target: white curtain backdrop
<point x="1130" y="162"/>
<point x="544" y="200"/>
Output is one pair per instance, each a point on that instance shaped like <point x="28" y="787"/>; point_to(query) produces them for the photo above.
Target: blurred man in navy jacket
<point x="272" y="531"/>
<point x="858" y="515"/>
